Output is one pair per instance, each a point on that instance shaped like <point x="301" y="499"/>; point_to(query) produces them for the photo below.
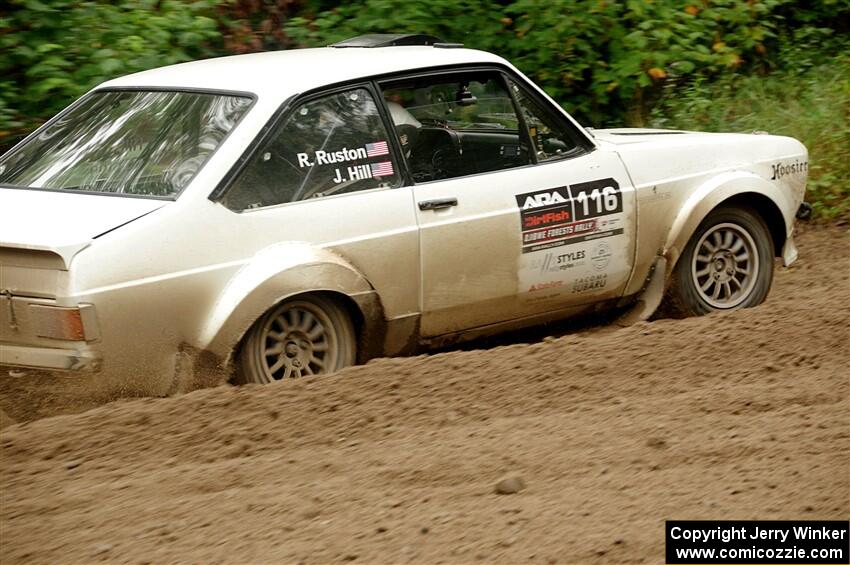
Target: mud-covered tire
<point x="727" y="264"/>
<point x="303" y="336"/>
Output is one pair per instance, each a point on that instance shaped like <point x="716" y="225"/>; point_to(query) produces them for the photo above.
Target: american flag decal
<point x="376" y="149"/>
<point x="382" y="169"/>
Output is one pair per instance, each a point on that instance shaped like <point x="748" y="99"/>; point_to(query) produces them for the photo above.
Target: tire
<point x="306" y="335"/>
<point x="726" y="265"/>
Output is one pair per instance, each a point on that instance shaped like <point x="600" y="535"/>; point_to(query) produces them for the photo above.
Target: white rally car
<point x="290" y="213"/>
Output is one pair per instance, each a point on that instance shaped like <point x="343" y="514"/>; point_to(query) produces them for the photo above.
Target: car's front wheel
<point x="727" y="264"/>
<point x="307" y="335"/>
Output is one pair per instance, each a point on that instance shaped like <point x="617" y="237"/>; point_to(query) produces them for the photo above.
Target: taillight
<point x="58" y="322"/>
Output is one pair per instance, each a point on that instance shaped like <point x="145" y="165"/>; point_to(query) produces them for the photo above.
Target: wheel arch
<point x="274" y="276"/>
<point x="355" y="308"/>
<point x="769" y="212"/>
<point x="740" y="189"/>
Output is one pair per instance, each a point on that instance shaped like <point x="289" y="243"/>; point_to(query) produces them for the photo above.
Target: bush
<point x="606" y="61"/>
<point x="807" y="100"/>
<point x="710" y="64"/>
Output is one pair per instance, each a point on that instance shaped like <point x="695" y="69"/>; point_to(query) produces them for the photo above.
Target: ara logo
<point x="546" y="198"/>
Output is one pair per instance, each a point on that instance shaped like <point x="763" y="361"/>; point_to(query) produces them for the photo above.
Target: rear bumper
<point x="20" y="356"/>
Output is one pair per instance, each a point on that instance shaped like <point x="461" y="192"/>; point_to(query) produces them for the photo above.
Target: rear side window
<point x="456" y="124"/>
<point x="330" y="145"/>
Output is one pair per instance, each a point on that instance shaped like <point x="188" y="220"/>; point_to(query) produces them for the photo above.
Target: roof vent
<point x="389" y="40"/>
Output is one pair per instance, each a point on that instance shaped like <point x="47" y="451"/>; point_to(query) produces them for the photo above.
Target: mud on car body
<point x="286" y="214"/>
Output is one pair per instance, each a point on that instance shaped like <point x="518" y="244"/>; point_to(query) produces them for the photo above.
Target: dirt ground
<point x="743" y="415"/>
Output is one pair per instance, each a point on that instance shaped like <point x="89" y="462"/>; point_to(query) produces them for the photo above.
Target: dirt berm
<point x="743" y="415"/>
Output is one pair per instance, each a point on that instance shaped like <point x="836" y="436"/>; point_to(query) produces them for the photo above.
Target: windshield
<point x="125" y="142"/>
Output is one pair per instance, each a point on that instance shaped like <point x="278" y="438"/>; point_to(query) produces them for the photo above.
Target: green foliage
<point x="701" y="64"/>
<point x="605" y="60"/>
<point x="719" y="65"/>
<point x="810" y="102"/>
<point x="52" y="51"/>
<point x="475" y="22"/>
<point x="248" y="26"/>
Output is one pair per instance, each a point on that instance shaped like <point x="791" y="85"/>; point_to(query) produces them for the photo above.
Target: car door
<point x="518" y="214"/>
<point x="578" y="233"/>
<point x="327" y="177"/>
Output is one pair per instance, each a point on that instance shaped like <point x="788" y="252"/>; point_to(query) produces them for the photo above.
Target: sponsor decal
<point x="544" y="199"/>
<point x="571" y="258"/>
<point x="546" y="218"/>
<point x="545" y="208"/>
<point x="592" y="282"/>
<point x="556" y="233"/>
<point x="564" y="238"/>
<point x="545" y="286"/>
<point x="796" y="168"/>
<point x="556" y="262"/>
<point x="600" y="256"/>
<point x="596" y="198"/>
<point x="569" y="214"/>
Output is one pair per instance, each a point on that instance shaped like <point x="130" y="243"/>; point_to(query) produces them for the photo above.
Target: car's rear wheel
<point x="307" y="335"/>
<point x="727" y="264"/>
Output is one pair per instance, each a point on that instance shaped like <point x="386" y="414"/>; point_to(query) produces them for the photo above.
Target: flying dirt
<point x="572" y="448"/>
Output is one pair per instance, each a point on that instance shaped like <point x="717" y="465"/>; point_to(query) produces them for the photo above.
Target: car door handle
<point x="437" y="204"/>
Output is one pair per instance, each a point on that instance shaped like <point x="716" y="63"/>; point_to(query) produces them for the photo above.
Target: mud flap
<point x="789" y="251"/>
<point x="650" y="298"/>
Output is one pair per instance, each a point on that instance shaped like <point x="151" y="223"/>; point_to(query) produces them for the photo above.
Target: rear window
<point x="149" y="143"/>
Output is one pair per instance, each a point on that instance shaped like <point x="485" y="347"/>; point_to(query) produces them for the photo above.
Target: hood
<point x="624" y="136"/>
<point x="64" y="222"/>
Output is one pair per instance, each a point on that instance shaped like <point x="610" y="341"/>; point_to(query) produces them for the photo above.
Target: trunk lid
<point x="37" y="224"/>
